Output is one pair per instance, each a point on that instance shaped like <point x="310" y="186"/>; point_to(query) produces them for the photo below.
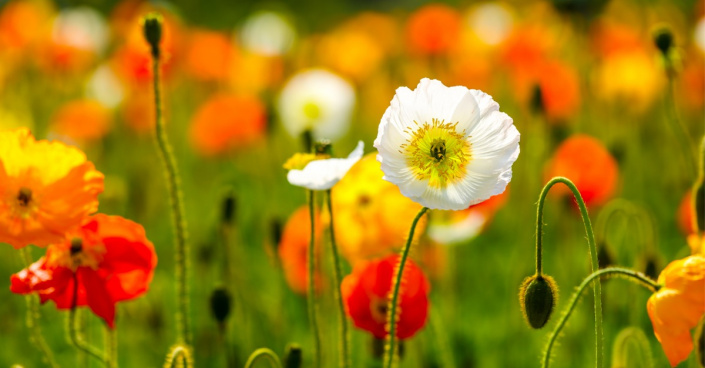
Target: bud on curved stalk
<point x="631" y="349"/>
<point x="229" y="208"/>
<point x="663" y="39"/>
<point x="538" y="295"/>
<point x="153" y="32"/>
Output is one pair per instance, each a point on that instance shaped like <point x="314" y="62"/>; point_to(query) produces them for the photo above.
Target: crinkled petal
<point x="323" y="174"/>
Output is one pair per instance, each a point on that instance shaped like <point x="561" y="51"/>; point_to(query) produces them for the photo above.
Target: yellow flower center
<point x="77" y="255"/>
<point x="311" y="110"/>
<point x="437" y="152"/>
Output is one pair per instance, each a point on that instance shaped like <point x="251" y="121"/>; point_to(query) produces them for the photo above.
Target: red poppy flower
<point x="366" y="293"/>
<point x="105" y="261"/>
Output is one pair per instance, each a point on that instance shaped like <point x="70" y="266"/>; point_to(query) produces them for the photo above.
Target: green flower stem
<point x="183" y="325"/>
<point x="679" y="129"/>
<point x="111" y="346"/>
<point x="32" y="319"/>
<point x="311" y="264"/>
<point x="266" y="353"/>
<point x="179" y="356"/>
<point x="630" y="275"/>
<point x="441" y="337"/>
<point x="342" y="320"/>
<point x="390" y="349"/>
<point x="593" y="255"/>
<point x="74" y="334"/>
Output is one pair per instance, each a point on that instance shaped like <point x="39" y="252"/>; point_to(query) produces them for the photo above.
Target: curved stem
<point x="593" y="255"/>
<point x="178" y="352"/>
<point x="620" y="353"/>
<point x="177" y="214"/>
<point x="633" y="276"/>
<point x="75" y="335"/>
<point x="312" y="305"/>
<point x="342" y="320"/>
<point x="390" y="349"/>
<point x="264" y="352"/>
<point x="32" y="319"/>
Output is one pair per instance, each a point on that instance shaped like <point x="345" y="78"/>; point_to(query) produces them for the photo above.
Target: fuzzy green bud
<point x="538" y="295"/>
<point x="293" y="356"/>
<point x="152" y="26"/>
<point x="229" y="208"/>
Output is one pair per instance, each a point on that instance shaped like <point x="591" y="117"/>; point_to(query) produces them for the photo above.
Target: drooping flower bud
<point x="152" y="25"/>
<point x="229" y="209"/>
<point x="537" y="102"/>
<point x="538" y="295"/>
<point x="220" y="304"/>
<point x="293" y="356"/>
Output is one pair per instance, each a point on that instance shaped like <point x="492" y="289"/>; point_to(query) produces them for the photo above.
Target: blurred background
<point x="592" y="94"/>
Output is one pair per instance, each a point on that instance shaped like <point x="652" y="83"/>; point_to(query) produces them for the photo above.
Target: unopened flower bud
<point x="152" y="24"/>
<point x="293" y="356"/>
<point x="699" y="203"/>
<point x="663" y="38"/>
<point x="604" y="256"/>
<point x="538" y="295"/>
<point x="651" y="268"/>
<point x="537" y="103"/>
<point x="220" y="304"/>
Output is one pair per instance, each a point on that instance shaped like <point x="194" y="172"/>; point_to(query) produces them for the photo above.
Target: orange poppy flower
<point x="46" y="189"/>
<point x="293" y="249"/>
<point x="209" y="55"/>
<point x="560" y="89"/>
<point x="372" y="216"/>
<point x="228" y="121"/>
<point x="585" y="161"/>
<point x="678" y="306"/>
<point x="22" y="24"/>
<point x="107" y="260"/>
<point x="82" y="120"/>
<point x="433" y="29"/>
<point x="366" y="296"/>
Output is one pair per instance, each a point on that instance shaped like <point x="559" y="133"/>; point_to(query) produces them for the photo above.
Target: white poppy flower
<point x="268" y="33"/>
<point x="323" y="174"/>
<point x="317" y="100"/>
<point x="446" y="147"/>
<point x="458" y="231"/>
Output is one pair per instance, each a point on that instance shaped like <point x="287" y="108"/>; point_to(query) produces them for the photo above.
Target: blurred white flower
<point x="317" y="100"/>
<point x="699" y="34"/>
<point x="267" y="33"/>
<point x="81" y="27"/>
<point x="446" y="147"/>
<point x="323" y="174"/>
<point x="452" y="232"/>
<point x="492" y="22"/>
<point x="105" y="87"/>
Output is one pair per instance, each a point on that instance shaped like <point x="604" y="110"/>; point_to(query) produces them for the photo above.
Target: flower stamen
<point x="437" y="152"/>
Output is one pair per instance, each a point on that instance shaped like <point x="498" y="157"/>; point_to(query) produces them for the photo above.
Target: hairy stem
<point x="390" y="349"/>
<point x="263" y="353"/>
<point x="111" y="346"/>
<point x="311" y="264"/>
<point x="342" y="320"/>
<point x="183" y="325"/>
<point x="593" y="255"/>
<point x="179" y="356"/>
<point x="628" y="274"/>
<point x="75" y="335"/>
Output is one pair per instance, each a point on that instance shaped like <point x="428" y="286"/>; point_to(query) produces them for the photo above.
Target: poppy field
<point x="352" y="184"/>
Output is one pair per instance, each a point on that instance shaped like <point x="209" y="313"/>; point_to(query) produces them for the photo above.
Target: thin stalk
<point x="263" y="353"/>
<point x="32" y="318"/>
<point x="75" y="335"/>
<point x="111" y="346"/>
<point x="311" y="264"/>
<point x="593" y="255"/>
<point x="342" y="320"/>
<point x="183" y="325"/>
<point x="628" y="274"/>
<point x="178" y="354"/>
<point x="390" y="349"/>
<point x="444" y="349"/>
<point x="679" y="129"/>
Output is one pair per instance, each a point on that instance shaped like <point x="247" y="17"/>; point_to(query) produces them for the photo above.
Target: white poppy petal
<point x="324" y="174"/>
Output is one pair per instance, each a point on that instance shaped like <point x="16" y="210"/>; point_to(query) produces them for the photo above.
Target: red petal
<point x="97" y="295"/>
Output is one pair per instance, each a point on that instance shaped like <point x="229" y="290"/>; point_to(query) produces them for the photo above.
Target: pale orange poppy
<point x="46" y="189"/>
<point x="82" y="120"/>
